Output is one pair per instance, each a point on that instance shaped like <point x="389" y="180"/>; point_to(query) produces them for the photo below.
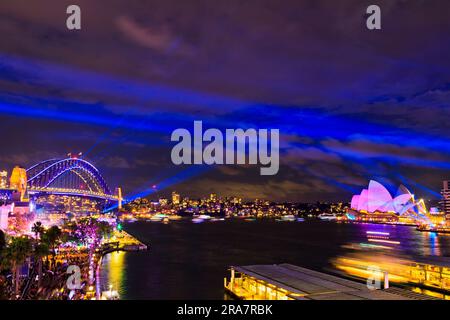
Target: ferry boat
<point x="197" y="220"/>
<point x="289" y="217"/>
<point x="327" y="216"/>
<point x="110" y="295"/>
<point x="432" y="228"/>
<point x="158" y="217"/>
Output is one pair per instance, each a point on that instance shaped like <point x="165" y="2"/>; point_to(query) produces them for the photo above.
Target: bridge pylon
<point x="119" y="198"/>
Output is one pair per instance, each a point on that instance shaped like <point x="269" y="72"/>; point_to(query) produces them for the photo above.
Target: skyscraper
<point x="445" y="202"/>
<point x="3" y="179"/>
<point x="163" y="201"/>
<point x="175" y="198"/>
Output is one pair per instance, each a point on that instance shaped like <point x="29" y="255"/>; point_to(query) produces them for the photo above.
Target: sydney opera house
<point x="377" y="204"/>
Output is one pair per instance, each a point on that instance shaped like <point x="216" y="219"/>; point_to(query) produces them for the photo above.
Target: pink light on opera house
<point x="377" y="200"/>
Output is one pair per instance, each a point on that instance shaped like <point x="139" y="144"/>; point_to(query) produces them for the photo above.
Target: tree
<point x="41" y="250"/>
<point x="38" y="229"/>
<point x="104" y="229"/>
<point x="2" y="241"/>
<point x="51" y="238"/>
<point x="17" y="252"/>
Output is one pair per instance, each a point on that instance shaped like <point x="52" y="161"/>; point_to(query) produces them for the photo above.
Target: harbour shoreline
<point x="128" y="243"/>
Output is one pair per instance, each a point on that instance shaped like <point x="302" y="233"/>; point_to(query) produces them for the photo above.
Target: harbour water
<point x="185" y="260"/>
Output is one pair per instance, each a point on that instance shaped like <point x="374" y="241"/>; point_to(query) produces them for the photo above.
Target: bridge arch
<point x="50" y="173"/>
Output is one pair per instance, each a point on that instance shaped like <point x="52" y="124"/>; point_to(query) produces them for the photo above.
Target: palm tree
<point x="41" y="250"/>
<point x="51" y="238"/>
<point x="17" y="252"/>
<point x="38" y="229"/>
<point x="2" y="241"/>
<point x="53" y="235"/>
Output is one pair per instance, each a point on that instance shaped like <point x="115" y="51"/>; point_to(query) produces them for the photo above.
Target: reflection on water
<point x="189" y="261"/>
<point x="433" y="241"/>
<point x="113" y="271"/>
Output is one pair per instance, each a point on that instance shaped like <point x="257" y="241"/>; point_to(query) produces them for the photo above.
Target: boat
<point x="327" y="216"/>
<point x="110" y="294"/>
<point x="300" y="219"/>
<point x="174" y="217"/>
<point x="433" y="228"/>
<point x="197" y="220"/>
<point x="204" y="217"/>
<point x="288" y="217"/>
<point x="158" y="217"/>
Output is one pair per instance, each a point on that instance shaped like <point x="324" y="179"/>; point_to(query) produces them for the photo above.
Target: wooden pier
<point x="289" y="282"/>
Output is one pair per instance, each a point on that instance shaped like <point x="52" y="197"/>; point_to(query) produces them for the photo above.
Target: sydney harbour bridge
<point x="70" y="176"/>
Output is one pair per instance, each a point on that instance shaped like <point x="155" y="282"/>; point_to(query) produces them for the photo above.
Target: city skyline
<point x="351" y="105"/>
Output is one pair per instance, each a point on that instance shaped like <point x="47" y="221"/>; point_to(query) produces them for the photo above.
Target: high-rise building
<point x="4" y="212"/>
<point x="445" y="202"/>
<point x="175" y="198"/>
<point x="236" y="200"/>
<point x="3" y="179"/>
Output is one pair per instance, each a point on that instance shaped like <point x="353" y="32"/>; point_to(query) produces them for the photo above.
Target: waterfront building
<point x="62" y="204"/>
<point x="175" y="198"/>
<point x="3" y="179"/>
<point x="20" y="217"/>
<point x="445" y="202"/>
<point x="4" y="214"/>
<point x="377" y="203"/>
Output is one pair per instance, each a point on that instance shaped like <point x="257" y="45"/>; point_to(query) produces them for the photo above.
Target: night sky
<point x="351" y="104"/>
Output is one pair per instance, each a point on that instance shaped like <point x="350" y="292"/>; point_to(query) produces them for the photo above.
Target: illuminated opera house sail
<point x="376" y="202"/>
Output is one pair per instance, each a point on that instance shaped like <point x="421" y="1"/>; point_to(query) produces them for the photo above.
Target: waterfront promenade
<point x="88" y="262"/>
